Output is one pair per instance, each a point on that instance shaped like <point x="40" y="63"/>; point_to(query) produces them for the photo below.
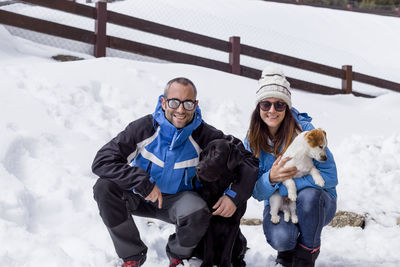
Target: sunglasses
<point x="278" y="105"/>
<point x="174" y="103"/>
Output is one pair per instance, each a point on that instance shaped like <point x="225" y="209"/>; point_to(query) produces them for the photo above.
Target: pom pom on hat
<point x="273" y="83"/>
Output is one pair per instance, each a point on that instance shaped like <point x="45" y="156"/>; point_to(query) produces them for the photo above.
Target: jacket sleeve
<point x="111" y="161"/>
<point x="327" y="170"/>
<point x="248" y="174"/>
<point x="263" y="189"/>
<point x="242" y="188"/>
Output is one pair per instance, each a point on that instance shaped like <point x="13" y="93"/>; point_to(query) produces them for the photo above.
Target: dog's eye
<point x="321" y="147"/>
<point x="215" y="153"/>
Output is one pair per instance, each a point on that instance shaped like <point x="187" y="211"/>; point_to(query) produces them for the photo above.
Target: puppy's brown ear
<point x="315" y="137"/>
<point x="234" y="158"/>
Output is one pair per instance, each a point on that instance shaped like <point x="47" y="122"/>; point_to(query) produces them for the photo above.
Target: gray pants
<point x="187" y="210"/>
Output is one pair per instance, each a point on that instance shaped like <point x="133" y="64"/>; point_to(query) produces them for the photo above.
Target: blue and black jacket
<point x="263" y="189"/>
<point x="152" y="151"/>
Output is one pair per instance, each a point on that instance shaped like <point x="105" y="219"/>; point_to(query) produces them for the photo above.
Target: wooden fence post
<point x="347" y="80"/>
<point x="234" y="55"/>
<point x="397" y="11"/>
<point x="100" y="29"/>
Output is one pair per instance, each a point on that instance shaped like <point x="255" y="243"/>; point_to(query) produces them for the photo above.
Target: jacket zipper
<point x="185" y="176"/>
<point x="148" y="170"/>
<point x="173" y="140"/>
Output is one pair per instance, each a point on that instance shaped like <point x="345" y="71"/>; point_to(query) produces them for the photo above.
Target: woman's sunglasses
<point x="278" y="105"/>
<point x="174" y="103"/>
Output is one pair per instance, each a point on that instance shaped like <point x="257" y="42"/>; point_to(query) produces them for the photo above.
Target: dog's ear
<point x="235" y="157"/>
<point x="231" y="139"/>
<point x="315" y="137"/>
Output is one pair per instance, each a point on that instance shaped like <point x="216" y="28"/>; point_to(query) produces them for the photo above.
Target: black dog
<point x="223" y="244"/>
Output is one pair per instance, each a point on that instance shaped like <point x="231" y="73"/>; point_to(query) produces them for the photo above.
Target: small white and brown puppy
<point x="305" y="147"/>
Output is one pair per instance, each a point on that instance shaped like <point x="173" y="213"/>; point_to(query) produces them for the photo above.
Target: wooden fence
<point x="233" y="47"/>
<point x="351" y="6"/>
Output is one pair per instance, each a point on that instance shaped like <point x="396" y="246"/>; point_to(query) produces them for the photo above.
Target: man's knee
<point x="193" y="219"/>
<point x="190" y="204"/>
<point x="109" y="200"/>
<point x="103" y="188"/>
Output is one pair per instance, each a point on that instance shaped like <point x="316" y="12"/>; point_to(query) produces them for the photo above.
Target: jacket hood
<point x="300" y="117"/>
<point x="169" y="131"/>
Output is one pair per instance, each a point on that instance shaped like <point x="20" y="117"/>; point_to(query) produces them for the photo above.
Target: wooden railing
<point x="351" y="6"/>
<point x="233" y="47"/>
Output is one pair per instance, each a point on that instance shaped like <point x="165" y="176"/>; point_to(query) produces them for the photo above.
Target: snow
<point x="55" y="116"/>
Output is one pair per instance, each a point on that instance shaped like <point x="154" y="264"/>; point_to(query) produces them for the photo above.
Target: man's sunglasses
<point x="279" y="106"/>
<point x="174" y="103"/>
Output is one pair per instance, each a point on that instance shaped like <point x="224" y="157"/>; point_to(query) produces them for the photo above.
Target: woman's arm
<point x="327" y="170"/>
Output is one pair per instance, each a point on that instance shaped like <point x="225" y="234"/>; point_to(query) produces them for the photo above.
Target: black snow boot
<point x="304" y="257"/>
<point x="285" y="258"/>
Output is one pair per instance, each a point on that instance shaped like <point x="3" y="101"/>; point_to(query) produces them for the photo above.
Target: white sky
<point x="55" y="116"/>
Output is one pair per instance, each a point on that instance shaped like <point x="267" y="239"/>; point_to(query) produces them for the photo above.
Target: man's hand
<point x="155" y="195"/>
<point x="224" y="207"/>
<point x="279" y="173"/>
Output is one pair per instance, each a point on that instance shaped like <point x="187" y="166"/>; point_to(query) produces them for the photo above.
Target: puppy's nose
<point x="324" y="158"/>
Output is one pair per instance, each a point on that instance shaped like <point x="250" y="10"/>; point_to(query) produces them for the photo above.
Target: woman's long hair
<point x="258" y="134"/>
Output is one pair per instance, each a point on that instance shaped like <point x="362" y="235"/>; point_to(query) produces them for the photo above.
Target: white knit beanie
<point x="273" y="83"/>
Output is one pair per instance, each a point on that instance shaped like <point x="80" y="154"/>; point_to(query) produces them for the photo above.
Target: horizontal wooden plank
<point x="250" y="72"/>
<point x="392" y="13"/>
<point x="359" y="77"/>
<point x="299" y="84"/>
<point x="43" y="26"/>
<point x="165" y="54"/>
<point x="313" y="87"/>
<point x="291" y="61"/>
<point x="294" y="83"/>
<point x="167" y="31"/>
<point x="362" y="94"/>
<point x="66" y="6"/>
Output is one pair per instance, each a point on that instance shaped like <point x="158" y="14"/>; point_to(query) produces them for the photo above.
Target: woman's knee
<point x="281" y="239"/>
<point x="281" y="236"/>
<point x="309" y="199"/>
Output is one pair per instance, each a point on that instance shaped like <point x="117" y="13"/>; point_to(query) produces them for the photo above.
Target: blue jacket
<point x="170" y="154"/>
<point x="152" y="151"/>
<point x="263" y="188"/>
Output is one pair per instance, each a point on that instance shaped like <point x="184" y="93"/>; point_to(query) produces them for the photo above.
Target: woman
<point x="273" y="126"/>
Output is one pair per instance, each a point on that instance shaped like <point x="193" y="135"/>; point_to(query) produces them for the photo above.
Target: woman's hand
<point x="279" y="173"/>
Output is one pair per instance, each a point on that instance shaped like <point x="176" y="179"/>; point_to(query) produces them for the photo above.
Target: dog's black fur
<point x="223" y="244"/>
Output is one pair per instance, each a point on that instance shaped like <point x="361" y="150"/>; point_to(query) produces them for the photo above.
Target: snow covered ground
<point x="55" y="116"/>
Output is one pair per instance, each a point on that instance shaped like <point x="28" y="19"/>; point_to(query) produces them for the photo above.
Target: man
<point x="146" y="171"/>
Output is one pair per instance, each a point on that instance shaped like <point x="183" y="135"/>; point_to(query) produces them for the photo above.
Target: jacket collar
<point x="169" y="132"/>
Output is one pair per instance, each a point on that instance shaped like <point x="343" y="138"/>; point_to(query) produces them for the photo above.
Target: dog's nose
<point x="324" y="158"/>
<point x="198" y="169"/>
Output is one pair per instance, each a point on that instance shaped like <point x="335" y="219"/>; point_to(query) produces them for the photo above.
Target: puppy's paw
<point x="286" y="217"/>
<point x="275" y="219"/>
<point x="292" y="196"/>
<point x="295" y="219"/>
<point x="320" y="182"/>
